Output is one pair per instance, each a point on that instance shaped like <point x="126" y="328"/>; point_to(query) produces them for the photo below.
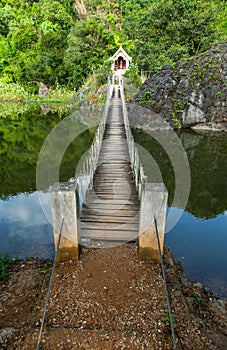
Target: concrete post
<point x="64" y="205"/>
<point x="153" y="203"/>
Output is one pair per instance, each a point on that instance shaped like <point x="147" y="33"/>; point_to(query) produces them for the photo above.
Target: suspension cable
<point x="165" y="285"/>
<point x="49" y="288"/>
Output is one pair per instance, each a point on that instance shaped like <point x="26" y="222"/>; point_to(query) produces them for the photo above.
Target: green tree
<point x="36" y="43"/>
<point x="5" y="18"/>
<point x="89" y="45"/>
<point x="52" y="42"/>
<point x="171" y="30"/>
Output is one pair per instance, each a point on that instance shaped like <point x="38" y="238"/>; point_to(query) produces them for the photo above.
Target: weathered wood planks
<point x="111" y="208"/>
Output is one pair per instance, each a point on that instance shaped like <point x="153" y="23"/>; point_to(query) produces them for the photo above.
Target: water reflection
<point x="207" y="156"/>
<point x="201" y="247"/>
<point x="199" y="239"/>
<point x="21" y="138"/>
<point x="24" y="230"/>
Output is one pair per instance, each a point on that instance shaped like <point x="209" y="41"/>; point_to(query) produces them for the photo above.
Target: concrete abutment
<point x="153" y="204"/>
<point x="64" y="205"/>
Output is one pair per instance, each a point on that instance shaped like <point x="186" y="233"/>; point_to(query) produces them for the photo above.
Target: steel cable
<point x="49" y="288"/>
<point x="165" y="285"/>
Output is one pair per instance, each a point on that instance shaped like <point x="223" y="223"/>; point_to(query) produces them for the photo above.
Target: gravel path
<point x="111" y="300"/>
<point x="108" y="300"/>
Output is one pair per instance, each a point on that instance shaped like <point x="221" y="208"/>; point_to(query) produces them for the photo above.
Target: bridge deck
<point x="111" y="208"/>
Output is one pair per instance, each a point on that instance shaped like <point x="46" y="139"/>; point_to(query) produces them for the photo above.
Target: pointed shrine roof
<point x="121" y="52"/>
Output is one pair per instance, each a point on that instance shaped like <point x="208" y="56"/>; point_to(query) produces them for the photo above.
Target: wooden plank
<point x="111" y="171"/>
<point x="109" y="212"/>
<point x="113" y="191"/>
<point x="121" y="186"/>
<point x="114" y="194"/>
<point x="110" y="205"/>
<point x="109" y="235"/>
<point x="114" y="185"/>
<point x="111" y="177"/>
<point x="110" y="166"/>
<point x="108" y="202"/>
<point x="109" y="226"/>
<point x="109" y="196"/>
<point x="111" y="220"/>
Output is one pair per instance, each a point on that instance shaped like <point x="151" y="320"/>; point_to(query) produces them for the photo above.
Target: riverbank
<point x="110" y="300"/>
<point x="16" y="93"/>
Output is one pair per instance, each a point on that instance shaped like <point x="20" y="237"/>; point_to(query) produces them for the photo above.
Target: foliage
<point x="103" y="73"/>
<point x="60" y="93"/>
<point x="5" y="261"/>
<point x="132" y="76"/>
<point x="177" y="122"/>
<point x="89" y="45"/>
<point x="36" y="40"/>
<point x="12" y="92"/>
<point x="222" y="22"/>
<point x="171" y="30"/>
<point x="63" y="42"/>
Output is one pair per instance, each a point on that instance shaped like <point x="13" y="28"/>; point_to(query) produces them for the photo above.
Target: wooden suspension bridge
<point x="110" y="199"/>
<point x="110" y="210"/>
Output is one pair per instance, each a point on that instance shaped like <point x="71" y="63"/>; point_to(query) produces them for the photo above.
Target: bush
<point x="132" y="76"/>
<point x="12" y="92"/>
<point x="5" y="261"/>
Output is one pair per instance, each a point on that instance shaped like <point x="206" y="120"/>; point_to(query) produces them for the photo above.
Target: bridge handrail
<point x="84" y="177"/>
<point x="137" y="167"/>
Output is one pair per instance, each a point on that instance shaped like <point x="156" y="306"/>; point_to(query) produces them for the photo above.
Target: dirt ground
<point x="108" y="300"/>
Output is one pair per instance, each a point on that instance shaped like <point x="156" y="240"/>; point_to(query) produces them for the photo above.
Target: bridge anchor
<point x="153" y="203"/>
<point x="64" y="205"/>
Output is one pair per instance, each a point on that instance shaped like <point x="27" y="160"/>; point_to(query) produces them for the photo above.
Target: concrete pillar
<point x="153" y="202"/>
<point x="64" y="205"/>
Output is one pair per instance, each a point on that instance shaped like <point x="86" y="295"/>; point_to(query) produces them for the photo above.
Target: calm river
<point x="198" y="240"/>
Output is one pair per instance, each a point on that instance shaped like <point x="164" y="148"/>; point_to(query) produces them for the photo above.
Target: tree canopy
<point x="64" y="41"/>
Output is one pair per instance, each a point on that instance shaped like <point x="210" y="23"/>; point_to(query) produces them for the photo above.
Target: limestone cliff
<point x="192" y="93"/>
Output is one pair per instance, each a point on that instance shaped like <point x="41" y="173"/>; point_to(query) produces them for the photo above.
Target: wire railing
<point x="166" y="288"/>
<point x="49" y="288"/>
<point x="137" y="168"/>
<point x="84" y="176"/>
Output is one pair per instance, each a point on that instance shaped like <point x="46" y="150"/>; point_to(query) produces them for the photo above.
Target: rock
<point x="102" y="90"/>
<point x="45" y="108"/>
<point x="5" y="332"/>
<point x="198" y="285"/>
<point x="80" y="9"/>
<point x="220" y="303"/>
<point x="192" y="92"/>
<point x="43" y="90"/>
<point x="143" y="118"/>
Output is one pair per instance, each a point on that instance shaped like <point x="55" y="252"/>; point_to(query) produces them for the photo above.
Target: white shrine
<point x="121" y="61"/>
